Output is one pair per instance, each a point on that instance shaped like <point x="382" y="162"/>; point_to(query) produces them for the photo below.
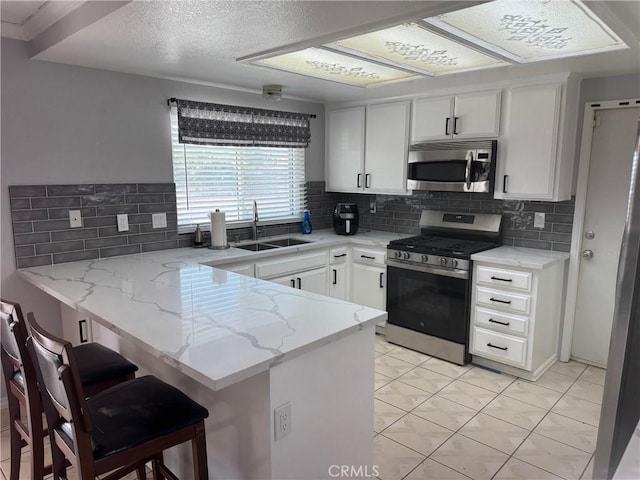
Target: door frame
<point x="579" y="212"/>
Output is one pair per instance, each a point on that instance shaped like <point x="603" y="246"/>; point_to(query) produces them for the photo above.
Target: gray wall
<point x="63" y="124"/>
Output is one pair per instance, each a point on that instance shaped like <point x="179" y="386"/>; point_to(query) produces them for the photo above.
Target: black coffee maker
<point x="346" y="219"/>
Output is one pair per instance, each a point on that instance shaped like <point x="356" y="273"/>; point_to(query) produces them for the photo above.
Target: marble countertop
<point x="521" y="257"/>
<point x="216" y="326"/>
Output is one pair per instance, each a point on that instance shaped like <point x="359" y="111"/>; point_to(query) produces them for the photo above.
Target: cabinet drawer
<point x="367" y="256"/>
<point x="338" y="255"/>
<point x="500" y="321"/>
<point x="509" y="301"/>
<point x="499" y="277"/>
<point x="298" y="263"/>
<point x="497" y="346"/>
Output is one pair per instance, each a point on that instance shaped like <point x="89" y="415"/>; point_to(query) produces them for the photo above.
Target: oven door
<point x="428" y="302"/>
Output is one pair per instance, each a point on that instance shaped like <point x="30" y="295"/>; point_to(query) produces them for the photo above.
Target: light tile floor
<point x="436" y="420"/>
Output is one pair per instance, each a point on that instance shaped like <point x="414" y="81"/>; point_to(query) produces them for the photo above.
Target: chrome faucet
<point x="254" y="224"/>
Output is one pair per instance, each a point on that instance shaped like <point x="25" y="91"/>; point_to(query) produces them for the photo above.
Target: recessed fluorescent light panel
<point x="414" y="47"/>
<point x="328" y="65"/>
<point x="528" y="31"/>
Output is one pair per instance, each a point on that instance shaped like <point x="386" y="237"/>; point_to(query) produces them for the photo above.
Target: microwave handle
<point x="467" y="171"/>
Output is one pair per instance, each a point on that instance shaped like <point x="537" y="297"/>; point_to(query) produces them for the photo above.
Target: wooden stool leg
<point x="142" y="473"/>
<point x="199" y="449"/>
<point x="37" y="440"/>
<point x="59" y="462"/>
<point x="157" y="461"/>
<point x="16" y="439"/>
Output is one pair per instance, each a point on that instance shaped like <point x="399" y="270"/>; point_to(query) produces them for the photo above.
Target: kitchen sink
<point x="286" y="242"/>
<point x="256" y="247"/>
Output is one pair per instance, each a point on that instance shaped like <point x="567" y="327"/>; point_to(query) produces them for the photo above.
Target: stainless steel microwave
<point x="466" y="166"/>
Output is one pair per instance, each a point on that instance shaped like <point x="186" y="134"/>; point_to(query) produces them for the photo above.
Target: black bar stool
<point x="120" y="428"/>
<point x="100" y="368"/>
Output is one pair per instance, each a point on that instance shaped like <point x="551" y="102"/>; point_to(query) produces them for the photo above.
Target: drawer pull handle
<point x="502" y="279"/>
<point x="299" y="283"/>
<point x="496" y="346"/>
<point x="367" y="257"/>
<point x="340" y="256"/>
<point x="506" y="324"/>
<point x="335" y="276"/>
<point x="293" y="283"/>
<point x="381" y="276"/>
<point x="508" y="302"/>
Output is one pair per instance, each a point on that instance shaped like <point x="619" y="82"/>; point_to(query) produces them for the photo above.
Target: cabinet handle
<point x="367" y="257"/>
<point x="502" y="279"/>
<point x="81" y="324"/>
<point x="446" y="126"/>
<point x="504" y="183"/>
<point x="367" y="180"/>
<point x="381" y="276"/>
<point x="359" y="178"/>
<point x="335" y="276"/>
<point x="340" y="256"/>
<point x="506" y="324"/>
<point x="293" y="283"/>
<point x="299" y="283"/>
<point x="455" y="125"/>
<point x="500" y="301"/>
<point x="496" y="346"/>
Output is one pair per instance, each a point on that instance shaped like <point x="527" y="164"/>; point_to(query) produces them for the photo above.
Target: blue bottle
<point x="306" y="223"/>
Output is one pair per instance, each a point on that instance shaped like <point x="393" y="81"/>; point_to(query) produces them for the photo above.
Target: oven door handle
<point x="463" y="274"/>
<point x="467" y="171"/>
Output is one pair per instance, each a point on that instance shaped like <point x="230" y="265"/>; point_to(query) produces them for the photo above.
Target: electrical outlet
<point x="538" y="220"/>
<point x="159" y="220"/>
<point x="75" y="219"/>
<point x="282" y="421"/>
<point x="373" y="207"/>
<point x="123" y="222"/>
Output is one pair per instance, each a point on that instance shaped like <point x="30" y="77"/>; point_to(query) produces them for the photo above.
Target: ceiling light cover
<point x="412" y="46"/>
<point x="531" y="30"/>
<point x="320" y="63"/>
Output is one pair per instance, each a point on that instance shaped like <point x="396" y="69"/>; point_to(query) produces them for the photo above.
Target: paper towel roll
<point x="218" y="229"/>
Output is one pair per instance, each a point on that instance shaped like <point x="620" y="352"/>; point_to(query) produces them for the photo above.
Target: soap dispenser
<point x="306" y="223"/>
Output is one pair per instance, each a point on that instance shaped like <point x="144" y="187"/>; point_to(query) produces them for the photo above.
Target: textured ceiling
<point x="201" y="40"/>
<point x="18" y="12"/>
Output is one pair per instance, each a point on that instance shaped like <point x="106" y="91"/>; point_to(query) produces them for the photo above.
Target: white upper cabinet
<point x="469" y="115"/>
<point x="345" y="149"/>
<point x="387" y="144"/>
<point x="367" y="148"/>
<point x="535" y="149"/>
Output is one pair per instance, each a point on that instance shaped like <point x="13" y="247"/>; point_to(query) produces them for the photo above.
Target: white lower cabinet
<point x="311" y="281"/>
<point x="369" y="285"/>
<point x="515" y="317"/>
<point x="305" y="272"/>
<point x="339" y="273"/>
<point x="76" y="328"/>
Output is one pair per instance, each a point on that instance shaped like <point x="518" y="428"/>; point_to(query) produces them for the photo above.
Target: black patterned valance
<point x="215" y="124"/>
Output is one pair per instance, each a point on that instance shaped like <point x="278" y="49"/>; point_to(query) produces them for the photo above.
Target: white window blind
<point x="230" y="178"/>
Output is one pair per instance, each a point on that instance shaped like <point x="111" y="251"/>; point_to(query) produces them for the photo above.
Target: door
<point x="431" y="119"/>
<point x="369" y="286"/>
<point x="387" y="143"/>
<point x="606" y="204"/>
<point x="338" y="281"/>
<point x="476" y="115"/>
<point x="345" y="159"/>
<point x="313" y="281"/>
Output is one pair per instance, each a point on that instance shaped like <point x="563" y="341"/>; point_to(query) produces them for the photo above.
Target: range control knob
<point x="397" y="254"/>
<point x="443" y="261"/>
<point x="425" y="258"/>
<point x="406" y="256"/>
<point x="454" y="262"/>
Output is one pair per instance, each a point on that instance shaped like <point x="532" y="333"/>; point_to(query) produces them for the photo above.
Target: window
<point x="230" y="178"/>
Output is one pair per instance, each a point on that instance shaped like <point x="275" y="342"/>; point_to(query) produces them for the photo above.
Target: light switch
<point x="75" y="219"/>
<point x="538" y="220"/>
<point x="123" y="222"/>
<point x="159" y="220"/>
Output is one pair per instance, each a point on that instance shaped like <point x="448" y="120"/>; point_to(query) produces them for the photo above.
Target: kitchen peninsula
<point x="240" y="346"/>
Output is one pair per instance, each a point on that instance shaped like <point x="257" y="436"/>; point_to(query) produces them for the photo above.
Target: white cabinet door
<point x="76" y="328"/>
<point x="431" y="119"/>
<point x="313" y="281"/>
<point x="287" y="281"/>
<point x="345" y="149"/>
<point x="338" y="281"/>
<point x="476" y="115"/>
<point x="387" y="143"/>
<point x="369" y="286"/>
<point x="527" y="151"/>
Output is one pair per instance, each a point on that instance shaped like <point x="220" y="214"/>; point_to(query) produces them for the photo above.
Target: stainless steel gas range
<point x="429" y="282"/>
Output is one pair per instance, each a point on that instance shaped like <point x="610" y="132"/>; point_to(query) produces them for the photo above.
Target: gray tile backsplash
<point x="401" y="214"/>
<point x="40" y="216"/>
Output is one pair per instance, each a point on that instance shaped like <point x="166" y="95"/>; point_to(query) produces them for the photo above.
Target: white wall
<point x="64" y="124"/>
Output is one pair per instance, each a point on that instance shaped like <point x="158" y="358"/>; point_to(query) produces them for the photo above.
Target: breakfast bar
<point x="243" y="348"/>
